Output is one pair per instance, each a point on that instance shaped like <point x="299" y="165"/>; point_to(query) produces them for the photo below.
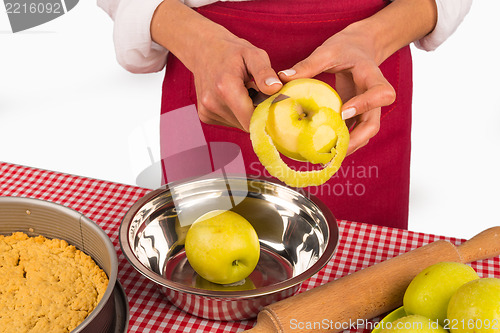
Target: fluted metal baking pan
<point x="40" y="217"/>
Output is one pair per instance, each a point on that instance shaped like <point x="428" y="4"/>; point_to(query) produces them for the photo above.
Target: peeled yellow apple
<point x="429" y="292"/>
<point x="307" y="127"/>
<point x="284" y="127"/>
<point x="475" y="307"/>
<point x="413" y="324"/>
<point x="222" y="247"/>
<point x="317" y="142"/>
<point x="301" y="133"/>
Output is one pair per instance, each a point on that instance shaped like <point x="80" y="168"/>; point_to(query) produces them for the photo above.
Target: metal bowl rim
<point x="112" y="276"/>
<point x="271" y="289"/>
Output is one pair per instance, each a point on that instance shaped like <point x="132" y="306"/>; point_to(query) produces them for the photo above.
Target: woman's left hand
<point x="359" y="81"/>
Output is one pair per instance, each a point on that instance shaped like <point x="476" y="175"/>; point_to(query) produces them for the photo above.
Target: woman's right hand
<point x="223" y="65"/>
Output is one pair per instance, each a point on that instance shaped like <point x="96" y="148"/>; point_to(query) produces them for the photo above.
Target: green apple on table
<point x="222" y="247"/>
<point x="413" y="323"/>
<point x="429" y="292"/>
<point x="475" y="307"/>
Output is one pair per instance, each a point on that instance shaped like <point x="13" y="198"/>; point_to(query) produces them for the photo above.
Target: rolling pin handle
<point x="484" y="245"/>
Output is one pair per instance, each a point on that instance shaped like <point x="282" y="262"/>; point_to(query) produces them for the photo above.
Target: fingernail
<point x="288" y="72"/>
<point x="348" y="113"/>
<point x="272" y="80"/>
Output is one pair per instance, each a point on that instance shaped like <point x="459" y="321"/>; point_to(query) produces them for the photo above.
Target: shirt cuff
<point x="450" y="14"/>
<point x="135" y="50"/>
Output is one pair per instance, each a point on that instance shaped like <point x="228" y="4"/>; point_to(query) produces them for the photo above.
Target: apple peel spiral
<point x="305" y="127"/>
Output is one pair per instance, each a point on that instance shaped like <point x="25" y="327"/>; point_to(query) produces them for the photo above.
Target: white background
<point x="66" y="105"/>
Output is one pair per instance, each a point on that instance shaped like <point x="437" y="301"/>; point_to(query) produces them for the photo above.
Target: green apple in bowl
<point x="222" y="247"/>
<point x="429" y="292"/>
<point x="475" y="307"/>
<point x="413" y="324"/>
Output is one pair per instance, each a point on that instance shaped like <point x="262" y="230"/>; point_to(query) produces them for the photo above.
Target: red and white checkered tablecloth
<point x="106" y="203"/>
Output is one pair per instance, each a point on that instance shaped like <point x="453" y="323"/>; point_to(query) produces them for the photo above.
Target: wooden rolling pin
<point x="370" y="292"/>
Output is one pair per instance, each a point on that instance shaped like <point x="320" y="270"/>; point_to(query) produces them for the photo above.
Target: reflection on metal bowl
<point x="297" y="233"/>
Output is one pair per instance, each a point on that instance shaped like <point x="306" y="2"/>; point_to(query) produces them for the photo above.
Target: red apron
<point x="372" y="186"/>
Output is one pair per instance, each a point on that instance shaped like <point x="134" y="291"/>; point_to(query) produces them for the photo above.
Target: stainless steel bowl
<point x="38" y="217"/>
<point x="297" y="233"/>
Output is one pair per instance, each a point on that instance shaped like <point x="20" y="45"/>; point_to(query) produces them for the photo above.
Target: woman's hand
<point x="359" y="81"/>
<point x="354" y="55"/>
<point x="222" y="64"/>
<point x="222" y="71"/>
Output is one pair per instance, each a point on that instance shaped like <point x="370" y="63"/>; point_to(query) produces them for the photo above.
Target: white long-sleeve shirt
<point x="138" y="53"/>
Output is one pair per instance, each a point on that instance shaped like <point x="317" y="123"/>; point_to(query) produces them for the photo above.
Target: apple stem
<point x="235" y="263"/>
<point x="302" y="115"/>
